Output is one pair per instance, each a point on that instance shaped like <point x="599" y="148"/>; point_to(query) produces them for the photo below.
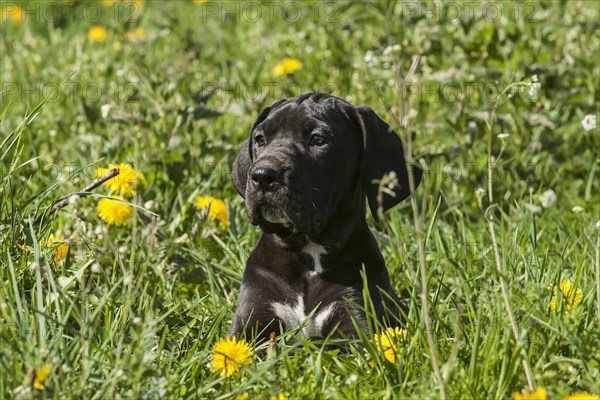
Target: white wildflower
<point x="175" y="142"/>
<point x="100" y="231"/>
<point x="104" y="110"/>
<point x="589" y="122"/>
<point x="95" y="268"/>
<point x="370" y="58"/>
<point x="577" y="209"/>
<point x="548" y="198"/>
<point x="534" y="88"/>
<point x="533" y="208"/>
<point x="502" y="136"/>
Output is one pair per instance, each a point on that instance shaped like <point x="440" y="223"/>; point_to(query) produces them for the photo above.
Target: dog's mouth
<point x="262" y="212"/>
<point x="274" y="215"/>
<point x="274" y="219"/>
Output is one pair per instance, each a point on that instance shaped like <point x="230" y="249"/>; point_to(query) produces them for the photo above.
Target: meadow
<point x="497" y="254"/>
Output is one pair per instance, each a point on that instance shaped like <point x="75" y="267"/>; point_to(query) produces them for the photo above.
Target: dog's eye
<point x="260" y="140"/>
<point x="317" y="140"/>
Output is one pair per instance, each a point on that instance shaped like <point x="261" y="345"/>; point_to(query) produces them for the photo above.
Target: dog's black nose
<point x="265" y="178"/>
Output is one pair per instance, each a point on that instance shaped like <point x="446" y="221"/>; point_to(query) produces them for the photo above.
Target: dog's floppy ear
<point x="239" y="174"/>
<point x="383" y="153"/>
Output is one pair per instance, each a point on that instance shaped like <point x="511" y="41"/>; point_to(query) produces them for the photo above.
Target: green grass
<point x="134" y="311"/>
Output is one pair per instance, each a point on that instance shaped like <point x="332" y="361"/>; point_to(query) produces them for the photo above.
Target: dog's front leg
<point x="254" y="317"/>
<point x="250" y="323"/>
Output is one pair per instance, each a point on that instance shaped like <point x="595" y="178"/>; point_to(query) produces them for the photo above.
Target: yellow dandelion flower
<point x="287" y="67"/>
<point x="389" y="343"/>
<point x="539" y="394"/>
<point x="581" y="396"/>
<point x="60" y="248"/>
<point x="135" y="35"/>
<point x="571" y="296"/>
<point x="124" y="183"/>
<point x="243" y="396"/>
<point x="117" y="45"/>
<point x="217" y="209"/>
<point x="229" y="355"/>
<point x="97" y="33"/>
<point x="40" y="377"/>
<point x="200" y="1"/>
<point x="13" y="13"/>
<point x="108" y="3"/>
<point x="114" y="212"/>
<point x="280" y="396"/>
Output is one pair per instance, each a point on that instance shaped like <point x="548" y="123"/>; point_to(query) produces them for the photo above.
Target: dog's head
<point x="312" y="158"/>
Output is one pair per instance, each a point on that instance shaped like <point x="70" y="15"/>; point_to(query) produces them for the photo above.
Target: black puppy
<point x="304" y="173"/>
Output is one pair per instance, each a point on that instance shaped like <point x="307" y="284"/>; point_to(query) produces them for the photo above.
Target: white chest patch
<point x="294" y="315"/>
<point x="315" y="251"/>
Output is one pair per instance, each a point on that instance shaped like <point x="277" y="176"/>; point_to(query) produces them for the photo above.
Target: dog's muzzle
<point x="266" y="195"/>
<point x="274" y="204"/>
